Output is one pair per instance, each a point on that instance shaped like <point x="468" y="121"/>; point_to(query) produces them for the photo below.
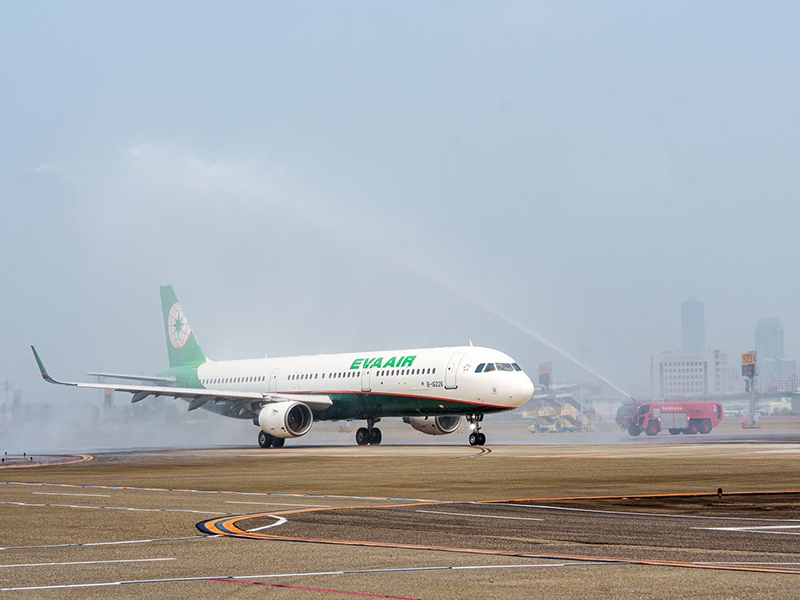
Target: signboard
<point x="749" y="364"/>
<point x="544" y="374"/>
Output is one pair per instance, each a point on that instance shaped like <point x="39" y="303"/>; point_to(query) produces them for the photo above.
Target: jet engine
<point x="285" y="419"/>
<point x="434" y="425"/>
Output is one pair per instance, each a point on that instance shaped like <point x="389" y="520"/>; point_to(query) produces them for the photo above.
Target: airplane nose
<point x="520" y="389"/>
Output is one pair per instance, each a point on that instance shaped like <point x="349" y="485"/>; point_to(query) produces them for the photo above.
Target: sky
<point x="319" y="177"/>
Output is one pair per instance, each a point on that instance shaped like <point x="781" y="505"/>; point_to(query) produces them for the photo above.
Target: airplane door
<point x="452" y="369"/>
<point x="365" y="380"/>
<point x="273" y="380"/>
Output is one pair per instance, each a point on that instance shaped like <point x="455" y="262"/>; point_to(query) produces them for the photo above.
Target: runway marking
<point x="320" y="590"/>
<point x="301" y="574"/>
<point x="437" y="512"/>
<point x="640" y="514"/>
<point x="228" y="526"/>
<point x="84" y="544"/>
<point x="85" y="506"/>
<point x="26" y="463"/>
<point x="761" y="529"/>
<point x="87" y="562"/>
<point x="280" y="521"/>
<point x="187" y="491"/>
<point x="64" y="494"/>
<point x="278" y="504"/>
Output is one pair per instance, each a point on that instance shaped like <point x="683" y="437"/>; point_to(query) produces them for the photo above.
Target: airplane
<point x="429" y="388"/>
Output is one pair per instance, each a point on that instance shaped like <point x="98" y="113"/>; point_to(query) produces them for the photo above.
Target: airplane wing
<point x="161" y="380"/>
<point x="198" y="396"/>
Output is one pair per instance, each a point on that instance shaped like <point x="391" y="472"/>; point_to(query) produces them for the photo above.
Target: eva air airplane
<point x="430" y="388"/>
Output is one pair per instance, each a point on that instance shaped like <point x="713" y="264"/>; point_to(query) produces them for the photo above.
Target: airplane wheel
<point x="264" y="439"/>
<point x="473" y="439"/>
<point x="376" y="436"/>
<point x="278" y="442"/>
<point x="362" y="436"/>
<point x="481" y="439"/>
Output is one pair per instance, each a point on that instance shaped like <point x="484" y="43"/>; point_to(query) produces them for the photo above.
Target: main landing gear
<point x="266" y="440"/>
<point x="476" y="438"/>
<point x="369" y="434"/>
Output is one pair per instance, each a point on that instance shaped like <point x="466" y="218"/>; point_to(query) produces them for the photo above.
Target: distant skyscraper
<point x="769" y="339"/>
<point x="774" y="370"/>
<point x="693" y="325"/>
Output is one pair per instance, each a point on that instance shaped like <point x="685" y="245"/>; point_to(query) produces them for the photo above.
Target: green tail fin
<point x="182" y="347"/>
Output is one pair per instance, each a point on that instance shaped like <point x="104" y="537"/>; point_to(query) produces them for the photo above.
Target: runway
<point x="511" y="521"/>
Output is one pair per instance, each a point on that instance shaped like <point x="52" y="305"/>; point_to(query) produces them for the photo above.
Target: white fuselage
<point x="397" y="383"/>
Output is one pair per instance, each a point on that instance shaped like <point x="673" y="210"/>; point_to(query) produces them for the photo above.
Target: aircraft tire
<point x="278" y="442"/>
<point x="473" y="439"/>
<point x="264" y="439"/>
<point x="481" y="439"/>
<point x="362" y="436"/>
<point x="376" y="437"/>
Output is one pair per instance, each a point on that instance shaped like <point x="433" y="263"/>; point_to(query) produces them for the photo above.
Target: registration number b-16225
<point x="433" y="384"/>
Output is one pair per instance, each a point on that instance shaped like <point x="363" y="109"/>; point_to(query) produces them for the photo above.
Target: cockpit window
<point x="479" y="368"/>
<point x="516" y="367"/>
<point x="504" y="367"/>
<point x="489" y="367"/>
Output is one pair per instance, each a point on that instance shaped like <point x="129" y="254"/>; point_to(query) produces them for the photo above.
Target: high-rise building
<point x="693" y="325"/>
<point x="775" y="371"/>
<point x="675" y="375"/>
<point x="769" y="339"/>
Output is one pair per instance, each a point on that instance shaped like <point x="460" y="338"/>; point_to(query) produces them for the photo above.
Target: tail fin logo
<point x="178" y="327"/>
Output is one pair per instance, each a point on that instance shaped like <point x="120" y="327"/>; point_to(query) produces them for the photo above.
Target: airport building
<point x="675" y="375"/>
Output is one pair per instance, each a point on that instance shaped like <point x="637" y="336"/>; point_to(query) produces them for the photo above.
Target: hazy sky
<point x="335" y="176"/>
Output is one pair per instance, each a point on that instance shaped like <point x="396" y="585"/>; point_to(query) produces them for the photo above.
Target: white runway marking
<point x="180" y="510"/>
<point x="87" y="562"/>
<point x="60" y="494"/>
<point x="639" y="514"/>
<point x="775" y="529"/>
<point x="279" y="504"/>
<point x="307" y="574"/>
<point x="436" y="512"/>
<point x="80" y="545"/>
<point x="280" y="521"/>
<point x="759" y="564"/>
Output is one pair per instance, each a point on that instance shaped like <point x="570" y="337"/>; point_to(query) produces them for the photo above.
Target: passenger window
<point x="489" y="367"/>
<point x="434" y="370"/>
<point x="479" y="368"/>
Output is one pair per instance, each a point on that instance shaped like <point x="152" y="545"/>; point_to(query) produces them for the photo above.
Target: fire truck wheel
<point x="652" y="428"/>
<point x="634" y="430"/>
<point x="693" y="428"/>
<point x="705" y="426"/>
<point x="675" y="431"/>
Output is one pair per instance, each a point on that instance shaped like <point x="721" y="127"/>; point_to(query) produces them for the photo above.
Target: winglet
<point x="42" y="370"/>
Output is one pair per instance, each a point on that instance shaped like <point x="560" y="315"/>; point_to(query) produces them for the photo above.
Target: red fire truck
<point x="677" y="417"/>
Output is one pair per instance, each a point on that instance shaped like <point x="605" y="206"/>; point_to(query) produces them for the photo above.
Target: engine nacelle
<point x="434" y="425"/>
<point x="285" y="419"/>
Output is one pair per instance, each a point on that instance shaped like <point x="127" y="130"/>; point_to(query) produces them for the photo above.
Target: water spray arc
<point x="526" y="330"/>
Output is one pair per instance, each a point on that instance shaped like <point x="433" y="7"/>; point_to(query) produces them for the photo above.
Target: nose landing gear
<point x="476" y="438"/>
<point x="369" y="434"/>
